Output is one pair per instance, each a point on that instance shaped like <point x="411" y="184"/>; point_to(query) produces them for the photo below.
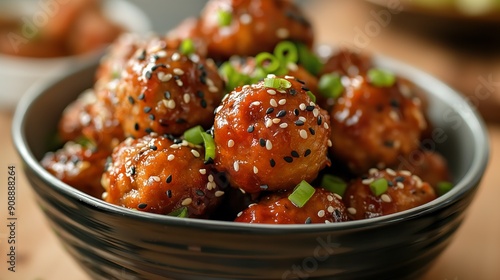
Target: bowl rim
<point x="468" y="182"/>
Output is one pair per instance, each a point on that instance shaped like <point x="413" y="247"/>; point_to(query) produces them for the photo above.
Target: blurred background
<point x="455" y="40"/>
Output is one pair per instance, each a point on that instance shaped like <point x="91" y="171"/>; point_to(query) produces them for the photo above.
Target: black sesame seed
<point x="394" y="103"/>
<point x="153" y="147"/>
<point x="142" y="205"/>
<point x="176" y="77"/>
<point x="180" y="120"/>
<point x="200" y="193"/>
<point x="169" y="193"/>
<point x="299" y="123"/>
<point x="313" y="132"/>
<point x="390" y="183"/>
<point x="203" y="79"/>
<point x="156" y="57"/>
<point x="147" y="109"/>
<point x="288" y="159"/>
<point x="203" y="103"/>
<point x="272" y="162"/>
<point x="310" y="108"/>
<point x="307" y="153"/>
<point x="293" y="91"/>
<point x="158" y="66"/>
<point x="296" y="112"/>
<point x="308" y="220"/>
<point x="399" y="179"/>
<point x="281" y="114"/>
<point x="152" y="117"/>
<point x="269" y="110"/>
<point x="304" y="88"/>
<point x="200" y="94"/>
<point x="337" y="213"/>
<point x="295" y="154"/>
<point x="136" y="127"/>
<point x="389" y="144"/>
<point x="149" y="130"/>
<point x="251" y="128"/>
<point x="177" y="141"/>
<point x="142" y="56"/>
<point x="141" y="96"/>
<point x="262" y="142"/>
<point x="131" y="100"/>
<point x="169" y="179"/>
<point x="264" y="187"/>
<point x="320" y="120"/>
<point x="167" y="94"/>
<point x="149" y="75"/>
<point x="300" y="81"/>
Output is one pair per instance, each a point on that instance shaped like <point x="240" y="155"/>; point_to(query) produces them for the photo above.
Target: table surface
<point x="475" y="250"/>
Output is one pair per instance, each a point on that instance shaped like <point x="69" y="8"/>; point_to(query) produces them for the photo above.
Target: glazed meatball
<point x="79" y="166"/>
<point x="270" y="139"/>
<point x="405" y="191"/>
<point x="164" y="91"/>
<point x="428" y="165"/>
<point x="91" y="119"/>
<point x="158" y="175"/>
<point x="374" y="126"/>
<point x="242" y="27"/>
<point x="347" y="62"/>
<point x="322" y="207"/>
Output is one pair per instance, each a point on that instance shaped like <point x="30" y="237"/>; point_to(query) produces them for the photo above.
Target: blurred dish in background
<point x="41" y="39"/>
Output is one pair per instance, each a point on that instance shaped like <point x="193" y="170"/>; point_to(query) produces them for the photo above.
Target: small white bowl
<point x="18" y="74"/>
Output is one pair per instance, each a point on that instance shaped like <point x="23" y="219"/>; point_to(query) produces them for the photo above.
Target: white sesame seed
<point x="303" y="134"/>
<point x="178" y="71"/>
<point x="271" y="91"/>
<point x="289" y="77"/>
<point x="269" y="123"/>
<point x="273" y="103"/>
<point x="327" y="222"/>
<point x="176" y="56"/>
<point x="329" y="143"/>
<point x="161" y="54"/>
<point x="330" y="209"/>
<point x="367" y="181"/>
<point x="282" y="101"/>
<point x="302" y="118"/>
<point x="155" y="178"/>
<point x="276" y="121"/>
<point x="283" y="125"/>
<point x="210" y="178"/>
<point x="390" y="172"/>
<point x="245" y="87"/>
<point x="269" y="145"/>
<point x="405" y="173"/>
<point x="236" y="166"/>
<point x="352" y="210"/>
<point x="292" y="66"/>
<point x="175" y="146"/>
<point x="171" y="104"/>
<point x="203" y="171"/>
<point x="302" y="106"/>
<point x="194" y="58"/>
<point x="321" y="213"/>
<point x="330" y="198"/>
<point x="282" y="33"/>
<point x="195" y="153"/>
<point x="218" y="109"/>
<point x="394" y="116"/>
<point x="373" y="171"/>
<point x="312" y="104"/>
<point x="245" y="19"/>
<point x="164" y="77"/>
<point x="230" y="143"/>
<point x="170" y="157"/>
<point x="219" y="193"/>
<point x="213" y="89"/>
<point x="187" y="97"/>
<point x="255" y="103"/>
<point x="400" y="185"/>
<point x="337" y="196"/>
<point x="271" y="76"/>
<point x="210" y="186"/>
<point x="179" y="82"/>
<point x="242" y="190"/>
<point x="187" y="201"/>
<point x="316" y="112"/>
<point x="255" y="170"/>
<point x="239" y="214"/>
<point x="385" y="198"/>
<point x="325" y="125"/>
<point x="210" y="83"/>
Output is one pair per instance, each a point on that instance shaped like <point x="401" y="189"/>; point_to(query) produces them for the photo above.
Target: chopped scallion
<point x="268" y="62"/>
<point x="277" y="83"/>
<point x="286" y="52"/>
<point x="379" y="186"/>
<point x="381" y="78"/>
<point x="444" y="187"/>
<point x="312" y="96"/>
<point x="334" y="184"/>
<point x="301" y="194"/>
<point x="179" y="212"/>
<point x="187" y="47"/>
<point x="209" y="146"/>
<point x="224" y="18"/>
<point x="193" y="135"/>
<point x="309" y="60"/>
<point x="330" y="85"/>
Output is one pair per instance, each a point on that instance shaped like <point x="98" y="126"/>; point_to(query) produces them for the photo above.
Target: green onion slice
<point x="334" y="184"/>
<point x="187" y="47"/>
<point x="286" y="52"/>
<point x="381" y="78"/>
<point x="179" y="212"/>
<point x="268" y="62"/>
<point x="309" y="60"/>
<point x="444" y="187"/>
<point x="330" y="85"/>
<point x="277" y="83"/>
<point x="209" y="146"/>
<point x="379" y="186"/>
<point x="301" y="194"/>
<point x="193" y="135"/>
<point x="312" y="96"/>
<point x="224" y="18"/>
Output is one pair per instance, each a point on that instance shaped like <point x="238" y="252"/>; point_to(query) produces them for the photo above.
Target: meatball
<point x="79" y="166"/>
<point x="164" y="91"/>
<point x="157" y="175"/>
<point x="322" y="207"/>
<point x="374" y="126"/>
<point x="91" y="119"/>
<point x="270" y="139"/>
<point x="405" y="191"/>
<point x="347" y="62"/>
<point x="231" y="27"/>
<point x="428" y="165"/>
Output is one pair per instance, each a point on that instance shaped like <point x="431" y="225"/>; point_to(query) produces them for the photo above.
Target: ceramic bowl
<point x="112" y="242"/>
<point x="17" y="74"/>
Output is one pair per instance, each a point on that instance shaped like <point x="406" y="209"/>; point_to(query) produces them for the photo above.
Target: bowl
<point x="18" y="73"/>
<point x="112" y="242"/>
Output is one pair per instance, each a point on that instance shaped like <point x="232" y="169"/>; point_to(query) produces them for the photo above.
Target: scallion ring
<point x="379" y="186"/>
<point x="301" y="194"/>
<point x="330" y="85"/>
<point x="187" y="47"/>
<point x="268" y="62"/>
<point x="277" y="83"/>
<point x="334" y="184"/>
<point x="381" y="78"/>
<point x="286" y="52"/>
<point x="193" y="135"/>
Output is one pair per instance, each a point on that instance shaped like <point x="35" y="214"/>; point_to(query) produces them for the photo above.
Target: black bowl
<point x="112" y="242"/>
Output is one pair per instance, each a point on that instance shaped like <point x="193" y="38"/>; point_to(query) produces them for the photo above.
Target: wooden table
<point x="475" y="251"/>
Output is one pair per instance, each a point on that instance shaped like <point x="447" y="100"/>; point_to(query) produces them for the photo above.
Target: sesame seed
<point x="330" y="209"/>
<point x="219" y="193"/>
<point x="147" y="109"/>
<point x="273" y="103"/>
<point x="299" y="123"/>
<point x="178" y="71"/>
<point x="292" y="66"/>
<point x="400" y="179"/>
<point x="329" y="143"/>
<point x="187" y="97"/>
<point x="269" y="123"/>
<point x="337" y="196"/>
<point x="269" y="145"/>
<point x="170" y="157"/>
<point x="282" y="33"/>
<point x="276" y="121"/>
<point x="175" y="57"/>
<point x="308" y="220"/>
<point x="262" y="142"/>
<point x="255" y="103"/>
<point x="400" y="185"/>
<point x="264" y="187"/>
<point x="170" y="104"/>
<point x="236" y="166"/>
<point x="271" y="91"/>
<point x="161" y="54"/>
<point x="242" y="190"/>
<point x="307" y="152"/>
<point x="239" y="213"/>
<point x="295" y="154"/>
<point x="303" y="134"/>
<point x="405" y="172"/>
<point x="153" y="147"/>
<point x="288" y="159"/>
<point x="352" y="210"/>
<point x="325" y="125"/>
<point x="319" y="120"/>
<point x="316" y="112"/>
<point x="367" y="181"/>
<point x="169" y="193"/>
<point x="330" y="198"/>
<point x="131" y="100"/>
<point x="142" y="205"/>
<point x="203" y="171"/>
<point x="385" y="198"/>
<point x="179" y="83"/>
<point x="155" y="178"/>
<point x="230" y="143"/>
<point x="255" y="170"/>
<point x="169" y="179"/>
<point x="164" y="77"/>
<point x="301" y="118"/>
<point x="213" y="89"/>
<point x="210" y="178"/>
<point x="321" y="213"/>
<point x="312" y="131"/>
<point x="282" y="101"/>
<point x="373" y="171"/>
<point x="390" y="172"/>
<point x="281" y="114"/>
<point x="245" y="18"/>
<point x="272" y="162"/>
<point x="394" y="116"/>
<point x="310" y="108"/>
<point x="187" y="201"/>
<point x="302" y="106"/>
<point x="195" y="153"/>
<point x="250" y="129"/>
<point x="284" y="125"/>
<point x="269" y="110"/>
